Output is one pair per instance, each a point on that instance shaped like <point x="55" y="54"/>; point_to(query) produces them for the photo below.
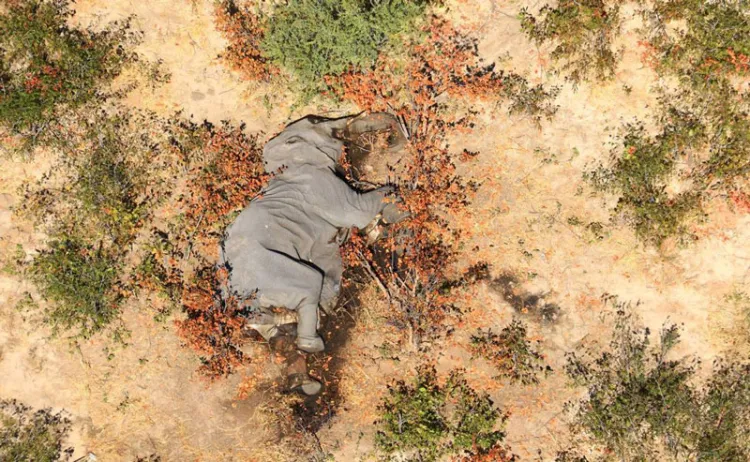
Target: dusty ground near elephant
<point x="146" y="399"/>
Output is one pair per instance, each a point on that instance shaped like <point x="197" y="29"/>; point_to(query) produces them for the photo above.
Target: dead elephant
<point x="282" y="250"/>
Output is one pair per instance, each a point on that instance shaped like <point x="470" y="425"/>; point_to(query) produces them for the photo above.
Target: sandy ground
<point x="146" y="399"/>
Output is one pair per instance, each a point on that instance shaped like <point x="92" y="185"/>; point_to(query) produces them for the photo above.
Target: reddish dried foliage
<point x="495" y="454"/>
<point x="740" y="62"/>
<point x="741" y="201"/>
<point x="243" y="30"/>
<point x="447" y="63"/>
<point x="214" y="328"/>
<point x="232" y="175"/>
<point x="224" y="173"/>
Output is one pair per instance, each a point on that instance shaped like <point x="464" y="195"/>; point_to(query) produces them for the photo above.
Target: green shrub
<point x="425" y="420"/>
<point x="316" y="38"/>
<point x="511" y="352"/>
<point x="45" y="64"/>
<point x="27" y="436"/>
<point x="532" y="101"/>
<point x="640" y="170"/>
<point x="474" y="418"/>
<point x="700" y="40"/>
<point x="79" y="278"/>
<point x="92" y="203"/>
<point x="705" y="47"/>
<point x="641" y="405"/>
<point x="583" y="32"/>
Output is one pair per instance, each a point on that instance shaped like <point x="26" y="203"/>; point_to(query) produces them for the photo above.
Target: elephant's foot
<point x="311" y="344"/>
<point x="305" y="384"/>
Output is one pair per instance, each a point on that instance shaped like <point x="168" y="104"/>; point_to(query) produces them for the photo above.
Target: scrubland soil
<point x="533" y="217"/>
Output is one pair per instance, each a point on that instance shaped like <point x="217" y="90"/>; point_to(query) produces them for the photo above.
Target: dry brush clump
<point x="231" y="176"/>
<point x="644" y="403"/>
<point x="244" y="31"/>
<point x="33" y="436"/>
<point x="222" y="171"/>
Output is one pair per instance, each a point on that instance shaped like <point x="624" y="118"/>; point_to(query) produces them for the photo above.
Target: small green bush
<point x="27" y="436"/>
<point x="45" y="64"/>
<point x="511" y="352"/>
<point x="583" y="32"/>
<point x="641" y="405"/>
<point x="80" y="279"/>
<point x="316" y="38"/>
<point x="531" y="101"/>
<point x="425" y="420"/>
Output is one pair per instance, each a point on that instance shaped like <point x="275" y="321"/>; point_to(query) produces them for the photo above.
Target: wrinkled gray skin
<point x="284" y="243"/>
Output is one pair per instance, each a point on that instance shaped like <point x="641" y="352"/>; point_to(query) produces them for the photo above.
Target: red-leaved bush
<point x="224" y="171"/>
<point x="244" y="32"/>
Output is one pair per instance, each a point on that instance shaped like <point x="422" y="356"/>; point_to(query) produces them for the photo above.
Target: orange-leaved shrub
<point x="244" y="31"/>
<point x="223" y="171"/>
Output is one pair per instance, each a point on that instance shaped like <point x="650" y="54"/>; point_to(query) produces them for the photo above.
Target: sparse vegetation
<point x="244" y="30"/>
<point x="700" y="147"/>
<point x="32" y="436"/>
<point x="113" y="176"/>
<point x="47" y="67"/>
<point x="641" y="171"/>
<point x="583" y="33"/>
<point x="643" y="404"/>
<point x="92" y="205"/>
<point x="511" y="352"/>
<point x="426" y="420"/>
<point x="731" y="319"/>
